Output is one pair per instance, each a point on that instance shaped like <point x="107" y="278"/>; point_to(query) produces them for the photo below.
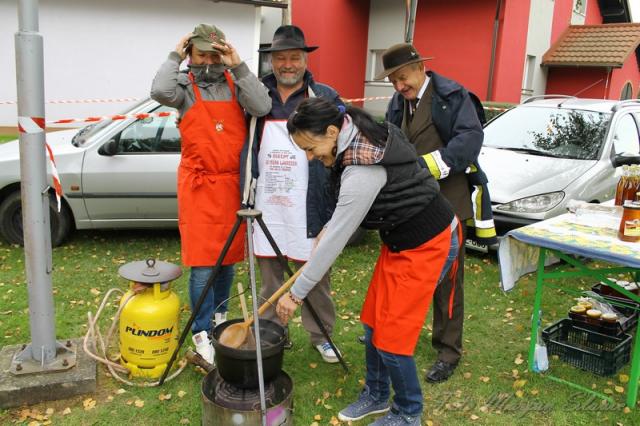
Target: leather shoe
<point x="440" y="371"/>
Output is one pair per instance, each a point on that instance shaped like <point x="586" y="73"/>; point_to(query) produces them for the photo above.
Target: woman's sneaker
<point x="203" y="346"/>
<point x="364" y="406"/>
<point x="328" y="355"/>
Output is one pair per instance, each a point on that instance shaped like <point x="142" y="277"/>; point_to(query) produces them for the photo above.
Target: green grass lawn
<point x="5" y="138"/>
<point x="490" y="387"/>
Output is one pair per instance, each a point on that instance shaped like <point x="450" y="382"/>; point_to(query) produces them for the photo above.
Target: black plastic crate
<point x="586" y="349"/>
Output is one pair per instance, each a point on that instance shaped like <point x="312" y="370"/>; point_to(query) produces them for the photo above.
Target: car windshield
<point x="551" y="132"/>
<point x="84" y="133"/>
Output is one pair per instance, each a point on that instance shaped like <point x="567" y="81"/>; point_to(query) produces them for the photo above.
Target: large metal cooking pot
<point x="238" y="366"/>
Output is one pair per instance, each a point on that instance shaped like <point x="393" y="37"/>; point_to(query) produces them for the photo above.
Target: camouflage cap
<point x="204" y="35"/>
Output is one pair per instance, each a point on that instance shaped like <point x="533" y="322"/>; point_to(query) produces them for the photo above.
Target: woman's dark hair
<point x="315" y="115"/>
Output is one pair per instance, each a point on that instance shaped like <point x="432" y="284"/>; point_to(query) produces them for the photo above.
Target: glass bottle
<point x="622" y="182"/>
<point x="630" y="186"/>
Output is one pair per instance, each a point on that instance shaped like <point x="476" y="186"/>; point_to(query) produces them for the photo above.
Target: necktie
<point x="413" y="105"/>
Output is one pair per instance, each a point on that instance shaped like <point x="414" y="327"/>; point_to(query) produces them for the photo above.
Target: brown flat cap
<point x="396" y="57"/>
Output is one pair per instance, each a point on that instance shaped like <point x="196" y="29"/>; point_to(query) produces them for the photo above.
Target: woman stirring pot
<point x="380" y="185"/>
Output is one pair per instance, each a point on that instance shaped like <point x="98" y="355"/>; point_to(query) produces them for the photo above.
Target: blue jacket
<point x="320" y="203"/>
<point x="456" y="120"/>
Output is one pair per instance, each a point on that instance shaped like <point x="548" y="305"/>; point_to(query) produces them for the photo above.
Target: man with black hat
<point x="439" y="118"/>
<point x="211" y="98"/>
<point x="291" y="190"/>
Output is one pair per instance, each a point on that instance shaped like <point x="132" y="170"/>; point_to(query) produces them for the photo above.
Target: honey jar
<point x="630" y="223"/>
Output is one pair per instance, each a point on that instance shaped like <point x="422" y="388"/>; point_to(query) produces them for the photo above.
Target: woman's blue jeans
<point x="216" y="300"/>
<point x="384" y="367"/>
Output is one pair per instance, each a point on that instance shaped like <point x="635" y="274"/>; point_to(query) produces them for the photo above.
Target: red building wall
<point x="512" y="45"/>
<point x="619" y="77"/>
<point x="562" y="10"/>
<point x="340" y="28"/>
<point x="582" y="82"/>
<point x="457" y="33"/>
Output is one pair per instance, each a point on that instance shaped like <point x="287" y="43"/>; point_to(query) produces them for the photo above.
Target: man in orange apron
<point x="211" y="99"/>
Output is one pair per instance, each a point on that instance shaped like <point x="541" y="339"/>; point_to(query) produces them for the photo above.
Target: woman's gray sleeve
<point x="359" y="187"/>
<point x="165" y="88"/>
<point x="252" y="94"/>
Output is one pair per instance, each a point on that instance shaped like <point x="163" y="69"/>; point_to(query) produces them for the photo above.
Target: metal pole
<point x="256" y="319"/>
<point x="34" y="188"/>
<point x="410" y="24"/>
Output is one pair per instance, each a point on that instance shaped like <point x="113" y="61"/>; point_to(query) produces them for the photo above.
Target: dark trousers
<point x="272" y="275"/>
<point x="447" y="333"/>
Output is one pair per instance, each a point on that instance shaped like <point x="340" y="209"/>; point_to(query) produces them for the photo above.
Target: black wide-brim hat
<point x="288" y="37"/>
<point x="398" y="56"/>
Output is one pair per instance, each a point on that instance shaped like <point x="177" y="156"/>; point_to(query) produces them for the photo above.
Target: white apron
<point x="281" y="194"/>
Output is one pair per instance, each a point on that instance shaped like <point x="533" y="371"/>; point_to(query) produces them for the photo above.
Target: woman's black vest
<point x="409" y="209"/>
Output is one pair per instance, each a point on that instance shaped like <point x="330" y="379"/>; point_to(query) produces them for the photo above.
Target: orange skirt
<point x="400" y="293"/>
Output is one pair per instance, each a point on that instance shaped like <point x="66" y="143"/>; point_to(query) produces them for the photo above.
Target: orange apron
<point x="213" y="133"/>
<point x="401" y="291"/>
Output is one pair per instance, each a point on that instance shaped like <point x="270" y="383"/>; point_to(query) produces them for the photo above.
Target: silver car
<point x="549" y="150"/>
<point x="114" y="174"/>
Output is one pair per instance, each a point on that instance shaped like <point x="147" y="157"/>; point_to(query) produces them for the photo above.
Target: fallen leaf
<point x="66" y="411"/>
<point x="110" y="398"/>
<point x="519" y="393"/>
<point x="518" y="359"/>
<point x="164" y="397"/>
<point x="49" y="411"/>
<point x="484" y="409"/>
<point x="474" y="417"/>
<point x="139" y="403"/>
<point x="317" y="417"/>
<point x="181" y="393"/>
<point x="95" y="291"/>
<point x="484" y="379"/>
<point x="608" y="391"/>
<point x="619" y="389"/>
<point x="313" y="365"/>
<point x="120" y="391"/>
<point x="184" y="421"/>
<point x="89" y="404"/>
<point x="314" y="424"/>
<point x="535" y="391"/>
<point x="626" y="410"/>
<point x="519" y="383"/>
<point x="623" y="378"/>
<point x="467" y="375"/>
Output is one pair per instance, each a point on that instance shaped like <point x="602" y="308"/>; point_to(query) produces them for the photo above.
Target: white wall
<point x="538" y="42"/>
<point x="111" y="49"/>
<point x="386" y="28"/>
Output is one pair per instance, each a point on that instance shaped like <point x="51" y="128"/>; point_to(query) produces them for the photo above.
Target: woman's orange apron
<point x="401" y="291"/>
<point x="213" y="133"/>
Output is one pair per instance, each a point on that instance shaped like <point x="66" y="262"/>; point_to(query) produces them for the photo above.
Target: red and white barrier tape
<point x="142" y="116"/>
<point x="139" y="116"/>
<point x="34" y="125"/>
<point x="80" y="101"/>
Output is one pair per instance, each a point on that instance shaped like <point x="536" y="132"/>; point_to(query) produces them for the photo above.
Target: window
<point x="264" y="65"/>
<point x="529" y="72"/>
<point x="625" y="138"/>
<point x="627" y="92"/>
<point x="580" y="6"/>
<point x="150" y="135"/>
<point x="376" y="64"/>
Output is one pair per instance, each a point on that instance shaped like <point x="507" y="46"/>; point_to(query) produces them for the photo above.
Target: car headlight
<point x="535" y="204"/>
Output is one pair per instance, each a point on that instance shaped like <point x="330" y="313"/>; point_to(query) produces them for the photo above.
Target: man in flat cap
<point x="211" y="97"/>
<point x="441" y="121"/>
<point x="291" y="190"/>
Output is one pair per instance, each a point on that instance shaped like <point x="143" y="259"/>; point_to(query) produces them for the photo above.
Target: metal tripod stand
<point x="249" y="215"/>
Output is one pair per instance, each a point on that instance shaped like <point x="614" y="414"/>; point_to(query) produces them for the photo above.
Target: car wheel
<point x="11" y="220"/>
